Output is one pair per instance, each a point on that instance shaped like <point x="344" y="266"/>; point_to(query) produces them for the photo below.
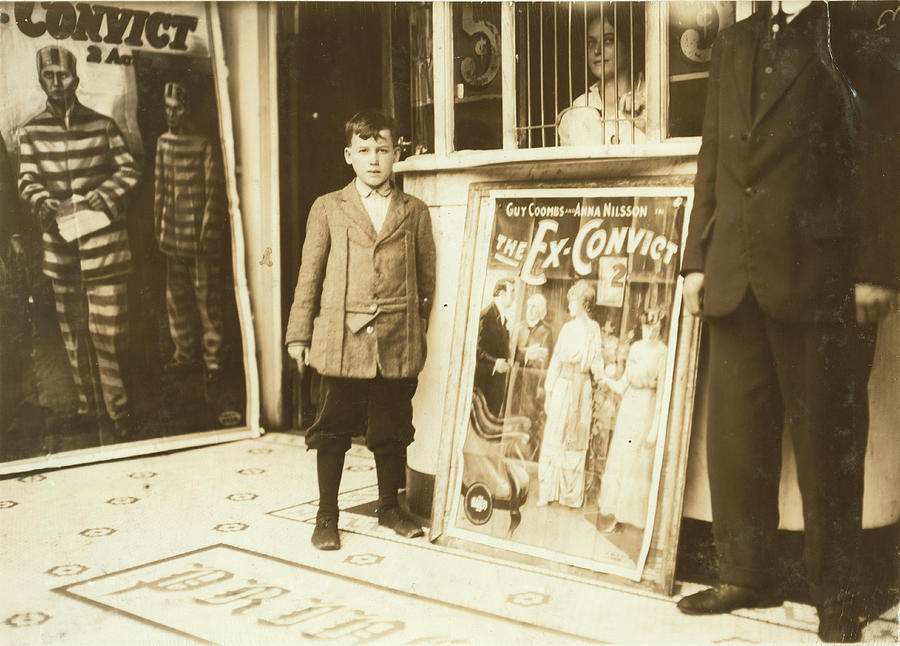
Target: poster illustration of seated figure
<point x="571" y="374"/>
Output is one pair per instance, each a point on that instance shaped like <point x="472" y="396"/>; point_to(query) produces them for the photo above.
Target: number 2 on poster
<point x="612" y="272"/>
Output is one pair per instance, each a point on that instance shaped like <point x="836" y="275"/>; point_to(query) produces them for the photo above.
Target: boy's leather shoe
<point x="325" y="536"/>
<point x="837" y="625"/>
<point x="725" y="598"/>
<point x="400" y="522"/>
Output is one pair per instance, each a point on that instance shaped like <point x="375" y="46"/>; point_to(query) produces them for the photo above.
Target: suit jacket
<point x="871" y="37"/>
<point x="363" y="299"/>
<point x="493" y="344"/>
<point x="772" y="207"/>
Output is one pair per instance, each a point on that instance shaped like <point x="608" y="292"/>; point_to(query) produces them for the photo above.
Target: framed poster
<point x="125" y="313"/>
<point x="574" y="368"/>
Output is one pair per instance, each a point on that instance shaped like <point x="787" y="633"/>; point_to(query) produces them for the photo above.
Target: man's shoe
<point x="838" y="625"/>
<point x="325" y="536"/>
<point x="725" y="598"/>
<point x="400" y="522"/>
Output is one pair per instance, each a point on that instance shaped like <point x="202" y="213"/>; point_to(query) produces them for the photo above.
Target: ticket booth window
<point x="580" y="76"/>
<point x="477" y="83"/>
<point x="529" y="75"/>
<point x="692" y="28"/>
<point x="409" y="76"/>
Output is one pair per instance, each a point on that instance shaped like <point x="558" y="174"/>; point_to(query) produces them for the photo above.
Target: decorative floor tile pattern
<point x="79" y="569"/>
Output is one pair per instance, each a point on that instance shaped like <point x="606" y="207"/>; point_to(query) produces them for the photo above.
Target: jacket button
<point x="369" y="330"/>
<point x="748" y="190"/>
<point x="373" y="307"/>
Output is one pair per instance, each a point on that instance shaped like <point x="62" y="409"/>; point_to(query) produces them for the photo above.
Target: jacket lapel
<point x="746" y="43"/>
<point x="398" y="211"/>
<point x="355" y="210"/>
<point x="795" y="52"/>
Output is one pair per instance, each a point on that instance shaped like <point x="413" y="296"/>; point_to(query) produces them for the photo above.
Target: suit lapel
<point x="795" y="53"/>
<point x="746" y="43"/>
<point x="355" y="210"/>
<point x="398" y="211"/>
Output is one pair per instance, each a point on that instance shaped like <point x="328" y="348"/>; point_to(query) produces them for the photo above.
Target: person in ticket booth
<point x="75" y="172"/>
<point x="364" y="294"/>
<point x="612" y="109"/>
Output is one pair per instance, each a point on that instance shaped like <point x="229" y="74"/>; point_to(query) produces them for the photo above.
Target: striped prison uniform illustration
<point x="189" y="218"/>
<point x="61" y="155"/>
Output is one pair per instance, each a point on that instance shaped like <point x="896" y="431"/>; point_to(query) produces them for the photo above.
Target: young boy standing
<point x="359" y="315"/>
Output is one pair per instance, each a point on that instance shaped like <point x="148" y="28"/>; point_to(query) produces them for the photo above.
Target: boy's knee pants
<point x="379" y="409"/>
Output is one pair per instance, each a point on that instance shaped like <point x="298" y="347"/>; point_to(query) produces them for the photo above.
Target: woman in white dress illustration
<point x="568" y="404"/>
<point x="625" y="487"/>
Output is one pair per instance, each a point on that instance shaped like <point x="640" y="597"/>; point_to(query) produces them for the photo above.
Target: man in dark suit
<point x="776" y="261"/>
<point x="532" y="343"/>
<point x="493" y="352"/>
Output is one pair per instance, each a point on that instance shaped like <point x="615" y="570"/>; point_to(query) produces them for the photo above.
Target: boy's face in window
<point x="604" y="54"/>
<point x="372" y="159"/>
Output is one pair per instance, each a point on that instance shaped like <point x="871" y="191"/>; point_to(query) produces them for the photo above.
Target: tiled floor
<point x="212" y="545"/>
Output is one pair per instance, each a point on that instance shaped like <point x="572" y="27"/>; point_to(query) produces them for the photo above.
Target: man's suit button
<point x="745" y="136"/>
<point x="370" y="330"/>
<point x="373" y="307"/>
<point x="748" y="191"/>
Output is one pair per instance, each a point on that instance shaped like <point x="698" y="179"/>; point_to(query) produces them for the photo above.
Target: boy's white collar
<point x="366" y="191"/>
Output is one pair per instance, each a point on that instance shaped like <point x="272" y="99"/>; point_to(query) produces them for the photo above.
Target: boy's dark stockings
<point x="329" y="466"/>
<point x="391" y="472"/>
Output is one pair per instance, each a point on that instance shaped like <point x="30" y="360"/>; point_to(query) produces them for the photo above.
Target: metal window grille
<point x="555" y="45"/>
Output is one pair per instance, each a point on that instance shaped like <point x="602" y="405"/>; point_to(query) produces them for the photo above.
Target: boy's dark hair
<point x="368" y="123"/>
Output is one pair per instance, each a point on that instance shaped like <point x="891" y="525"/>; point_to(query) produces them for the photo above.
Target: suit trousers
<point x="809" y="378"/>
<point x="379" y="409"/>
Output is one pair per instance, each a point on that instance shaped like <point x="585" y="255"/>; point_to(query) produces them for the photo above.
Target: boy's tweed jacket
<point x="362" y="300"/>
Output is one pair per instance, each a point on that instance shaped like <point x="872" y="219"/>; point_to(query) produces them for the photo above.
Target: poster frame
<point x="657" y="573"/>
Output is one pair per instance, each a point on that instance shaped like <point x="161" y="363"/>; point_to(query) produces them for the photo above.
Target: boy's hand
<point x="299" y="353"/>
<point x="874" y="302"/>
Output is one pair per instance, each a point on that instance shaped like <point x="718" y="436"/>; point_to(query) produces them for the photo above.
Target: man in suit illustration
<point x="776" y="263"/>
<point x="493" y="352"/>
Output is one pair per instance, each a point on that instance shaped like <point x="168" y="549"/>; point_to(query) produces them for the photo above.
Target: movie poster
<point x="570" y="373"/>
<point x="120" y="312"/>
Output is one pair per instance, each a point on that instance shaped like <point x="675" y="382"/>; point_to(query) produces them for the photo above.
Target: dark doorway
<point x="329" y="67"/>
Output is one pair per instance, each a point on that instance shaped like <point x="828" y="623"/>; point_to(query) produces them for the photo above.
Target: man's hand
<point x="501" y="366"/>
<point x="93" y="198"/>
<point x="47" y="211"/>
<point x="535" y="353"/>
<point x="874" y="302"/>
<point x="299" y="353"/>
<point x="693" y="292"/>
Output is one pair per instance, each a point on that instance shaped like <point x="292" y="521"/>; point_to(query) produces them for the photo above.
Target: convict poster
<point x="122" y="323"/>
<point x="566" y="372"/>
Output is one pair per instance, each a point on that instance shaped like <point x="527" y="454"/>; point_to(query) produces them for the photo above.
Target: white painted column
<point x="249" y="31"/>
